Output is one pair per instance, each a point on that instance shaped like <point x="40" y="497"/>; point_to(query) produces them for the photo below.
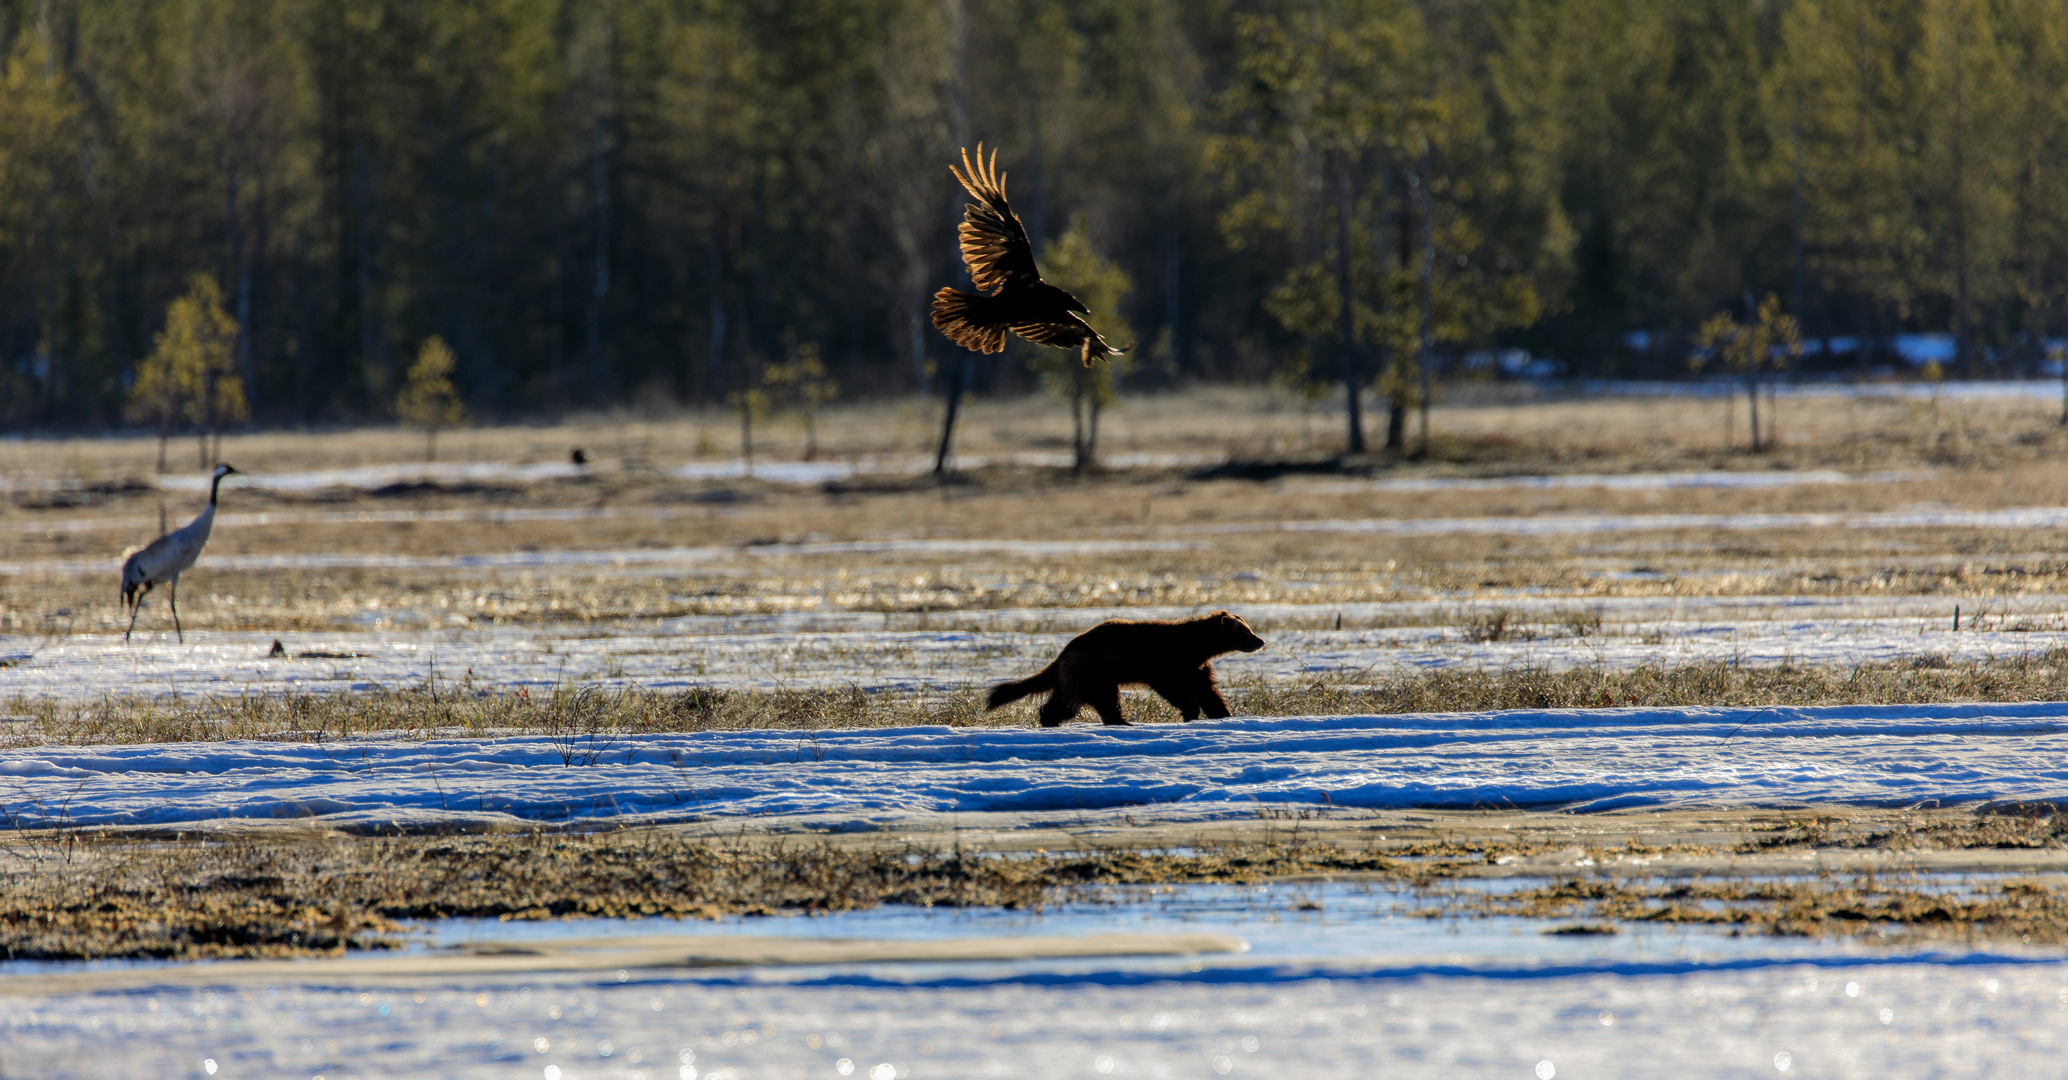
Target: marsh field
<point x="1647" y="733"/>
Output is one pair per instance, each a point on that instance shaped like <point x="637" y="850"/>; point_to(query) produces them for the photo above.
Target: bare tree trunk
<point x="1963" y="303"/>
<point x="372" y="359"/>
<point x="1752" y="393"/>
<point x="1795" y="138"/>
<point x="747" y="431"/>
<point x="1428" y="275"/>
<point x="916" y="335"/>
<point x="1396" y="409"/>
<point x="716" y="359"/>
<point x="1346" y="318"/>
<point x="1752" y="368"/>
<point x="1396" y="416"/>
<point x="599" y="281"/>
<point x="1091" y="437"/>
<point x="958" y="377"/>
<point x="1079" y="448"/>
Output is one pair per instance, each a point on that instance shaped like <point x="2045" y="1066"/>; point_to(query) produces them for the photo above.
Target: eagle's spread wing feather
<point x="1068" y="332"/>
<point x="994" y="243"/>
<point x="1055" y="335"/>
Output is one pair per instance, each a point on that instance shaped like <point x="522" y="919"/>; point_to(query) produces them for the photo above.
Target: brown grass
<point x="1475" y="425"/>
<point x="89" y="896"/>
<point x="1886" y="908"/>
<point x="591" y="716"/>
<point x="2007" y="454"/>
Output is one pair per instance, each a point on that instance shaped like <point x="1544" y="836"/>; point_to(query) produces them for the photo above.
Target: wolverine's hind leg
<point x="1106" y="702"/>
<point x="1059" y="707"/>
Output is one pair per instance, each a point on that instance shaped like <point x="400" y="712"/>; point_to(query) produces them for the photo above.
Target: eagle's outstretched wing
<point x="994" y="243"/>
<point x="1068" y="331"/>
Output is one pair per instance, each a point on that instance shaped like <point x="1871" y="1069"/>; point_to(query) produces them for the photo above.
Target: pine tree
<point x="1764" y="343"/>
<point x="803" y="385"/>
<point x="192" y="370"/>
<point x="1074" y="265"/>
<point x="428" y="398"/>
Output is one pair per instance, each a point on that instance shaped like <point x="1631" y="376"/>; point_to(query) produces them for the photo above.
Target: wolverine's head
<point x="1235" y="633"/>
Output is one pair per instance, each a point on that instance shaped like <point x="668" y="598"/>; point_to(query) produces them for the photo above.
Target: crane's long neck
<point x="202" y="523"/>
<point x="206" y="521"/>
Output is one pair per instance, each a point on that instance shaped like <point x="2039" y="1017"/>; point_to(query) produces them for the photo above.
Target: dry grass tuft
<point x="1858" y="906"/>
<point x="75" y="897"/>
<point x="78" y="895"/>
<point x="586" y="718"/>
<point x="1710" y="684"/>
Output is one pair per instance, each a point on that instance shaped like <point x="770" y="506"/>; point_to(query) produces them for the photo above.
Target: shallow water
<point x="1342" y="991"/>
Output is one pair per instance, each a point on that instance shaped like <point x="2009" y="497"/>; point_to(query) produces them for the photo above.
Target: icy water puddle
<point x="1316" y="923"/>
<point x="1337" y="983"/>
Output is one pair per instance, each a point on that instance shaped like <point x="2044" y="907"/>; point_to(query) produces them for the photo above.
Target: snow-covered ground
<point x="956" y="649"/>
<point x="1663" y="481"/>
<point x="1206" y="770"/>
<point x="807" y="473"/>
<point x="1925" y="517"/>
<point x="646" y="560"/>
<point x="1714" y="479"/>
<point x="1345" y="991"/>
<point x="802" y="473"/>
<point x="1919" y="390"/>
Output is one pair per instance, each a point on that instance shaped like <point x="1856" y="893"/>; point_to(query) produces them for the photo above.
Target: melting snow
<point x="1583" y="760"/>
<point x="953" y="650"/>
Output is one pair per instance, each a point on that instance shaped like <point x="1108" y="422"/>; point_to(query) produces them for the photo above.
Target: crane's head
<point x="132" y="580"/>
<point x="224" y="469"/>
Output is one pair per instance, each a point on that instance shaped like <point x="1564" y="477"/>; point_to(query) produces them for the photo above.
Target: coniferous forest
<point x="606" y="201"/>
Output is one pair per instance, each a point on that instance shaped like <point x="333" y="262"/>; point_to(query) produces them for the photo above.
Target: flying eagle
<point x="1001" y="262"/>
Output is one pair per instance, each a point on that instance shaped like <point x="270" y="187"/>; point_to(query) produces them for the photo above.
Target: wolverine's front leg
<point x="1179" y="694"/>
<point x="1209" y="695"/>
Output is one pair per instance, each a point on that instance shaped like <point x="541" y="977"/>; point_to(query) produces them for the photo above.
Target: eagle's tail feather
<point x="961" y="317"/>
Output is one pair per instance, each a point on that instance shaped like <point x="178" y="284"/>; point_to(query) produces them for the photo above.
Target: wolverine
<point x="1173" y="657"/>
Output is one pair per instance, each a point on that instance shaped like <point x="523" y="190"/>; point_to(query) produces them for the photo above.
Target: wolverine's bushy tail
<point x="1007" y="693"/>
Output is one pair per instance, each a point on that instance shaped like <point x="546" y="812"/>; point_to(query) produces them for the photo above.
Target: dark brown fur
<point x="1173" y="657"/>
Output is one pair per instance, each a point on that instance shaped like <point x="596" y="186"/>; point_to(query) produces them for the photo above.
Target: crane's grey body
<point x="163" y="560"/>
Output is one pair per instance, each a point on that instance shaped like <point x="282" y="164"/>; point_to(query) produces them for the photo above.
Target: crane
<point x="166" y="558"/>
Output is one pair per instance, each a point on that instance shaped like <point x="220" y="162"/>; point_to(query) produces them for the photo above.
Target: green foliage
<point x="801" y="384"/>
<point x="428" y="399"/>
<point x="608" y="198"/>
<point x="1768" y="343"/>
<point x="1745" y="349"/>
<point x="1074" y="265"/>
<point x="751" y="406"/>
<point x="192" y="369"/>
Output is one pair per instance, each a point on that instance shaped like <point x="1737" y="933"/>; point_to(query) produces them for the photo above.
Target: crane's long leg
<point x="133" y="609"/>
<point x="173" y="601"/>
